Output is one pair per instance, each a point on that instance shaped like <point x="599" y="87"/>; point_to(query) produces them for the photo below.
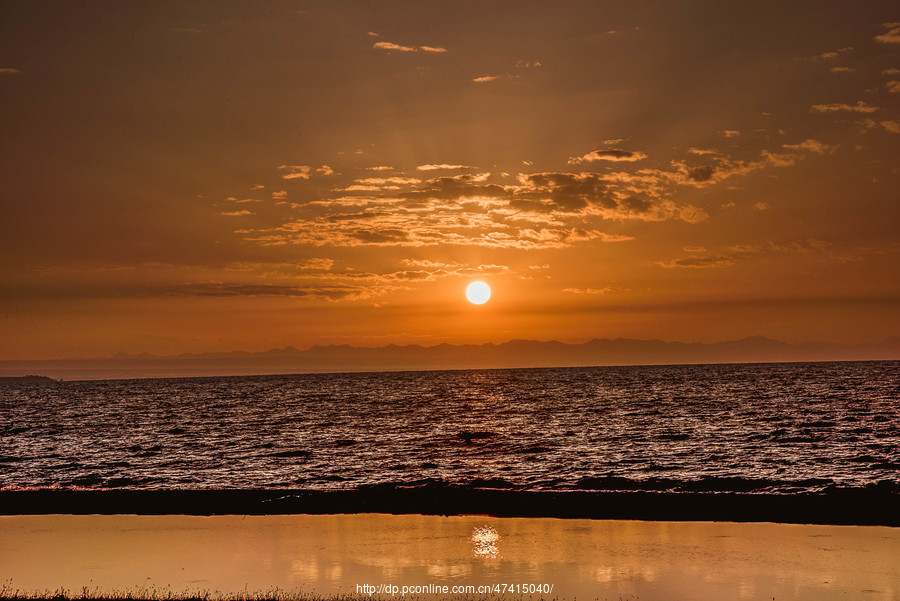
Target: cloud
<point x="435" y="167"/>
<point x="842" y="70"/>
<point x="615" y="155"/>
<point x="719" y="169"/>
<point x="316" y="264"/>
<point x="551" y="191"/>
<point x="860" y="107"/>
<point x="226" y="289"/>
<point x="440" y="269"/>
<point x="314" y="278"/>
<point x="325" y="170"/>
<point x="537" y="210"/>
<point x="426" y="263"/>
<point x="236" y="213"/>
<point x="520" y="67"/>
<point x="380" y="181"/>
<point x="648" y="193"/>
<point x="257" y="187"/>
<point x="892" y="36"/>
<point x="701" y="262"/>
<point x="833" y="53"/>
<point x="373" y="34"/>
<point x="279" y="194"/>
<point x="284" y="269"/>
<point x="893" y="86"/>
<point x="392" y="46"/>
<point x="457" y="210"/>
<point x="891" y="126"/>
<point x="593" y="291"/>
<point x="731" y="133"/>
<point x="742" y="252"/>
<point x="9" y="71"/>
<point x="365" y="188"/>
<point x="890" y="71"/>
<point x="812" y="146"/>
<point x="295" y="171"/>
<point x="242" y="200"/>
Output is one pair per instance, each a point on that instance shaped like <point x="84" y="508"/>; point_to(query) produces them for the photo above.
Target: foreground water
<point x="574" y="559"/>
<point x="743" y="428"/>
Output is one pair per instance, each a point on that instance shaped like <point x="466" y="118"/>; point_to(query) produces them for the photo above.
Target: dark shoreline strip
<point x="851" y="507"/>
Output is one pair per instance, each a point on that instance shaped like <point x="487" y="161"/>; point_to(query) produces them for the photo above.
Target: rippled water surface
<point x="781" y="427"/>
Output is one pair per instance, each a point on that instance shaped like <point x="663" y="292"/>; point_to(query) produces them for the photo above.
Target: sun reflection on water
<point x="485" y="539"/>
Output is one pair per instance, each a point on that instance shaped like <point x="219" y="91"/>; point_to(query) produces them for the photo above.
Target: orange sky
<point x="191" y="176"/>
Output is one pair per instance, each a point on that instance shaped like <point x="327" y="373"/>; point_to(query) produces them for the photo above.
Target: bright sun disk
<point x="478" y="293"/>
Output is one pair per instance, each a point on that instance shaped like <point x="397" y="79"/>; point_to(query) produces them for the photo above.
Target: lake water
<point x="743" y="428"/>
<point x="335" y="554"/>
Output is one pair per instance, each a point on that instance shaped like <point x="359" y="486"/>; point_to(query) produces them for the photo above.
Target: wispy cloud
<point x="295" y="171"/>
<point x="891" y="126"/>
<point x="521" y="67"/>
<point x="859" y="107"/>
<point x="9" y="71"/>
<point x="812" y="146"/>
<point x="833" y="53"/>
<point x="445" y="166"/>
<point x="228" y="289"/>
<point x="242" y="200"/>
<point x="284" y="269"/>
<point x="715" y="169"/>
<point x="701" y="262"/>
<point x="615" y="155"/>
<point x="442" y="269"/>
<point x="392" y="47"/>
<point x="591" y="291"/>
<point x="304" y="171"/>
<point x="892" y="36"/>
<point x="737" y="253"/>
<point x="893" y="86"/>
<point x="316" y="278"/>
<point x="380" y="181"/>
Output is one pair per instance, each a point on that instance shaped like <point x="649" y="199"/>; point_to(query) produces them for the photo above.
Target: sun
<point x="478" y="293"/>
